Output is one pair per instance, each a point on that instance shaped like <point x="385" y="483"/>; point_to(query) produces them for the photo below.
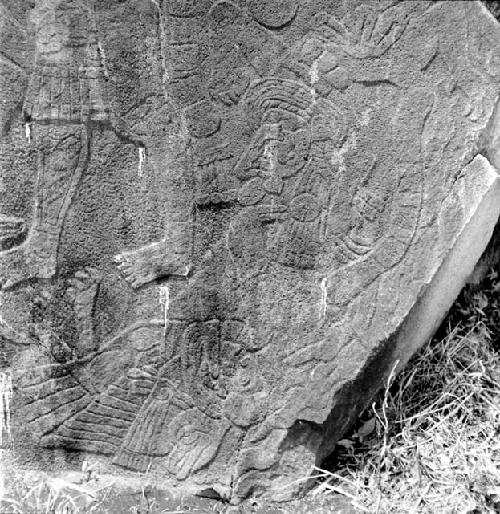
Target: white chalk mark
<point x="337" y="160"/>
<point x="270" y="157"/>
<point x="314" y="77"/>
<point x="142" y="159"/>
<point x="324" y="296"/>
<point x="163" y="39"/>
<point x="5" y="401"/>
<point x="165" y="302"/>
<point x="314" y="72"/>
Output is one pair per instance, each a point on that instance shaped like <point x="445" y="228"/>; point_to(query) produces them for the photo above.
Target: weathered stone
<point x="223" y="223"/>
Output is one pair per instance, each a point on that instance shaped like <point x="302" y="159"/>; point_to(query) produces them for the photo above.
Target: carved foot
<point x="150" y="263"/>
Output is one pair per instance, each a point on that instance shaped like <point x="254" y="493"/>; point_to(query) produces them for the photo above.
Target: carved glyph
<point x="227" y="209"/>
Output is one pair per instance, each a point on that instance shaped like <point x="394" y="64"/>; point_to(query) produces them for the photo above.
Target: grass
<point x="430" y="442"/>
<point x="40" y="493"/>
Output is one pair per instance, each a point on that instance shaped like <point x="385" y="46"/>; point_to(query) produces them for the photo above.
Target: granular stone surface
<point x="222" y="223"/>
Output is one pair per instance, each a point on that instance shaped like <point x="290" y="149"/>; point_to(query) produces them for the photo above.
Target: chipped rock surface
<point x="223" y="222"/>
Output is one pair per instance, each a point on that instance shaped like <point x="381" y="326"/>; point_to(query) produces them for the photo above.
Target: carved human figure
<point x="385" y="211"/>
<point x="286" y="177"/>
<point x="190" y="384"/>
<point x="167" y="404"/>
<point x="200" y="89"/>
<point x="64" y="102"/>
<point x="189" y="111"/>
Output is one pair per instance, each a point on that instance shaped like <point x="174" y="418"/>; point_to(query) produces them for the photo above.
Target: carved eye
<point x="305" y="207"/>
<point x="293" y="152"/>
<point x="188" y="434"/>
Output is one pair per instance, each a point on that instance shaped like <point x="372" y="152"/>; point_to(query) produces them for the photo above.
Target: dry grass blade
<point x="436" y="444"/>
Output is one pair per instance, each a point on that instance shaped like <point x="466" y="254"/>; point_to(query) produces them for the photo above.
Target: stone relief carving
<point x="64" y="101"/>
<point x="297" y="161"/>
<point x="286" y="176"/>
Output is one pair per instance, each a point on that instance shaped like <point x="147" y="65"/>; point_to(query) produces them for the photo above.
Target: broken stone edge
<point x="428" y="312"/>
<point x="419" y="325"/>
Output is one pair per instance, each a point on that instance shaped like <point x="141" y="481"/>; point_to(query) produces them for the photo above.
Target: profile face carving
<point x="286" y="175"/>
<point x="225" y="221"/>
<point x="281" y="145"/>
<point x="280" y="149"/>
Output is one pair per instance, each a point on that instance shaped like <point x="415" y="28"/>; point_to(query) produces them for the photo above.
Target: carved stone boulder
<point x="223" y="223"/>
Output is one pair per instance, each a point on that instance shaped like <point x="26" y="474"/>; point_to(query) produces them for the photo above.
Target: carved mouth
<point x="349" y="248"/>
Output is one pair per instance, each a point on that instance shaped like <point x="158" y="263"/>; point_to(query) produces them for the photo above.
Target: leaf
<point x="346" y="443"/>
<point x="366" y="429"/>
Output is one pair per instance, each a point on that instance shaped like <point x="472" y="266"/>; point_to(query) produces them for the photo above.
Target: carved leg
<point x="83" y="291"/>
<point x="62" y="158"/>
